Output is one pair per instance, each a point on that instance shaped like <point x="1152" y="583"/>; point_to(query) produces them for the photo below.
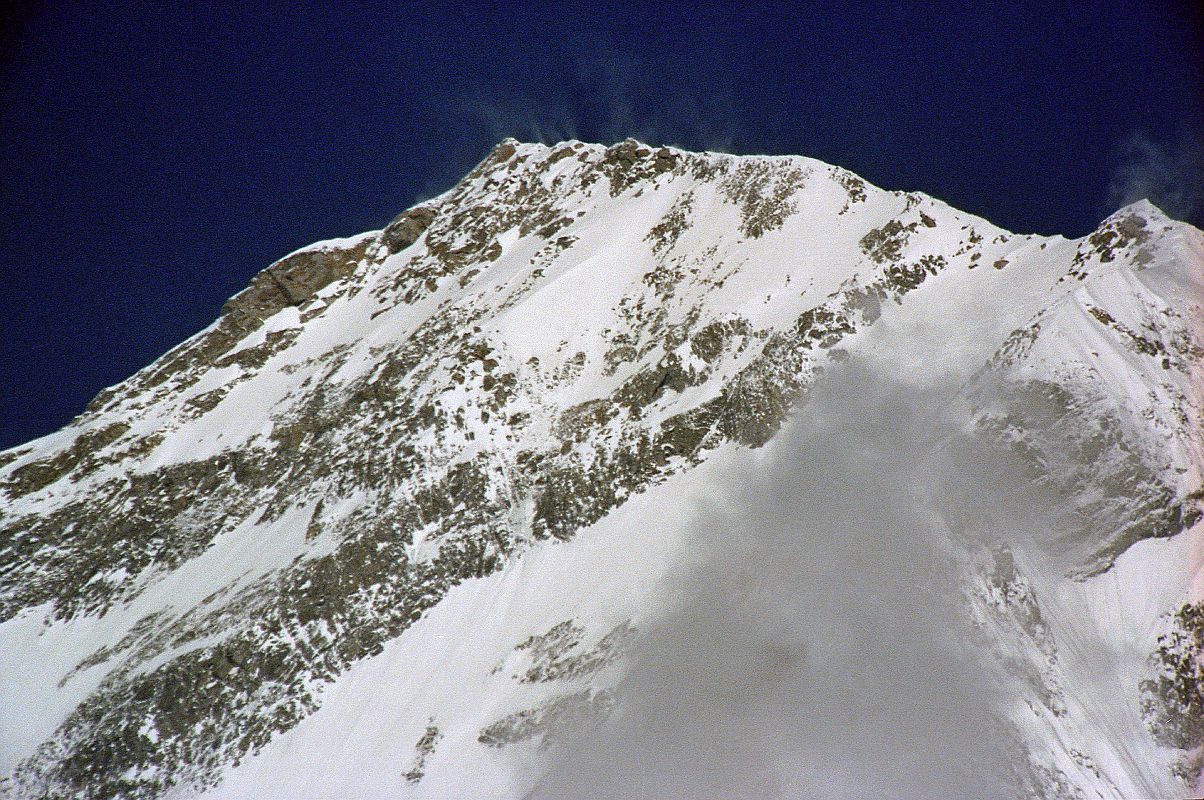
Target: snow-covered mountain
<point x="428" y="510"/>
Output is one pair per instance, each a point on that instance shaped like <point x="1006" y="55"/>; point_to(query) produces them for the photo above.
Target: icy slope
<point x="365" y="463"/>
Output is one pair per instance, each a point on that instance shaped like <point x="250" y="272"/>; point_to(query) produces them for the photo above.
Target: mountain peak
<point x="1145" y="210"/>
<point x="388" y="444"/>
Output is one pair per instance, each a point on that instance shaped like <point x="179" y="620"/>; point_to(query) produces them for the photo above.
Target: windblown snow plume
<point x="817" y="643"/>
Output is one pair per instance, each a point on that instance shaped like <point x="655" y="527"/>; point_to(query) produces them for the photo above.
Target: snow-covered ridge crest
<point x="381" y="420"/>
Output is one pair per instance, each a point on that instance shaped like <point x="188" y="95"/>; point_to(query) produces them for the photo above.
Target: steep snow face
<point x="402" y="512"/>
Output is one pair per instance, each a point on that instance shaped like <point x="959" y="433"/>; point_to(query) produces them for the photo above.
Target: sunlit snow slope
<point x="397" y="523"/>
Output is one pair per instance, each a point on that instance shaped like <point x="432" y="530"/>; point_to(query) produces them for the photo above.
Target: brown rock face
<point x="291" y="281"/>
<point x="407" y="228"/>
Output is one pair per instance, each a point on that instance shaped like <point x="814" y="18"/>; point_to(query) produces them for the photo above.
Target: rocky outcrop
<point x="405" y="230"/>
<point x="1173" y="700"/>
<point x="295" y="279"/>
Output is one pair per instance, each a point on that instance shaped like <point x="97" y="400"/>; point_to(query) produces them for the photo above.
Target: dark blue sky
<point x="154" y="157"/>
